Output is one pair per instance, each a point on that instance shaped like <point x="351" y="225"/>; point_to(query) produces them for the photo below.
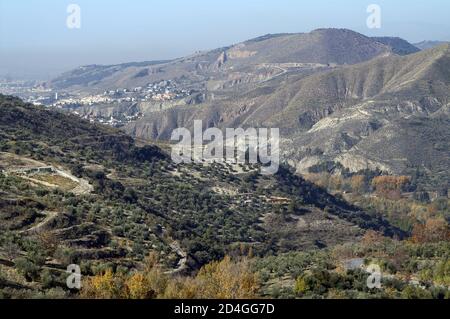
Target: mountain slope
<point x="398" y="45"/>
<point x="140" y="202"/>
<point x="333" y="110"/>
<point x="249" y="61"/>
<point x="90" y="75"/>
<point x="403" y="78"/>
<point x="298" y="104"/>
<point x="314" y="89"/>
<point x="323" y="46"/>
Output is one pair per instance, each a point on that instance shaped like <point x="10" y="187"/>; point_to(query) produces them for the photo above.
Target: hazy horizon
<point x="35" y="42"/>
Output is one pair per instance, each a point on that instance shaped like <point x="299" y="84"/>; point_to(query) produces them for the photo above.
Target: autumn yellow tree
<point x="301" y="287"/>
<point x="137" y="286"/>
<point x="182" y="288"/>
<point x="148" y="283"/>
<point x="226" y="279"/>
<point x="102" y="286"/>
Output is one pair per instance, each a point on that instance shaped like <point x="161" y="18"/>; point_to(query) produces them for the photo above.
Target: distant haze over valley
<point x="335" y="94"/>
<point x="37" y="44"/>
<point x="43" y="66"/>
<point x="253" y="149"/>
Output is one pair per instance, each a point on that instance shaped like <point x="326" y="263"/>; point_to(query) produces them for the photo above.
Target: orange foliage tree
<point x="432" y="231"/>
<point x="390" y="186"/>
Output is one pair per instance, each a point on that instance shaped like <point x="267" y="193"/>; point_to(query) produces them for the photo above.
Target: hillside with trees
<point x="195" y="217"/>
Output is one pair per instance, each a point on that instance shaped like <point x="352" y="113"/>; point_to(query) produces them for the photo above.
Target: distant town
<point x="39" y="94"/>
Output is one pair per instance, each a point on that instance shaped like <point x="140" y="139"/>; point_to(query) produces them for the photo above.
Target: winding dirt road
<point x="49" y="216"/>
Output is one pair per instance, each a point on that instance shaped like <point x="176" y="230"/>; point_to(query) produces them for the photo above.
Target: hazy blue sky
<point x="35" y="41"/>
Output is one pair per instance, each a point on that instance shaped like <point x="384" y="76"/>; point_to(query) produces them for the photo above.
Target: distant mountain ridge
<point x="398" y="45"/>
<point x="425" y="45"/>
<point x="335" y="95"/>
<point x="342" y="112"/>
<point x="321" y="47"/>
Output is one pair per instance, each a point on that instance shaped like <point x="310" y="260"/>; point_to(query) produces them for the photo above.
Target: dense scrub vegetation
<point x="408" y="270"/>
<point x="209" y="224"/>
<point x="400" y="199"/>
